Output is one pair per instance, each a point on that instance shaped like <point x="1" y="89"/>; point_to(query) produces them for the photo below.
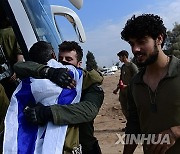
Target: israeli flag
<point x="20" y="136"/>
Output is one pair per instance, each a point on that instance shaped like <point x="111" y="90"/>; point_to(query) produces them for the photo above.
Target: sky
<point x="103" y="21"/>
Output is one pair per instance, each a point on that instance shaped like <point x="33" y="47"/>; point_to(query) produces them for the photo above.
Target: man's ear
<point x="159" y="39"/>
<point x="79" y="64"/>
<point x="54" y="56"/>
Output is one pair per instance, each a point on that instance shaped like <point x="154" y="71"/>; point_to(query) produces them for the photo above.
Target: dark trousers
<point x="95" y="149"/>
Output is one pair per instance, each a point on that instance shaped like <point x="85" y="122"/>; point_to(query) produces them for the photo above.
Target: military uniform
<point x="149" y="117"/>
<point x="128" y="70"/>
<point x="4" y="103"/>
<point x="11" y="50"/>
<point x="82" y="113"/>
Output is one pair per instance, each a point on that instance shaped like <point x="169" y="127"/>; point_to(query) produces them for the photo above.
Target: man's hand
<point x="161" y="148"/>
<point x="60" y="76"/>
<point x="13" y="77"/>
<point x="115" y="91"/>
<point x="38" y="115"/>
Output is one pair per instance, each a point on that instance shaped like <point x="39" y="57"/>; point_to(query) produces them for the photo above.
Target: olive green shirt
<point x="142" y="116"/>
<point x="9" y="44"/>
<point x="4" y="103"/>
<point x="128" y="70"/>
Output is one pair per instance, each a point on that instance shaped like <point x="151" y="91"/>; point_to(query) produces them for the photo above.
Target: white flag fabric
<point x="20" y="136"/>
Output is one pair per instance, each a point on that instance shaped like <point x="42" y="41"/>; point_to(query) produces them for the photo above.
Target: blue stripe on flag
<point x="67" y="96"/>
<point x="27" y="133"/>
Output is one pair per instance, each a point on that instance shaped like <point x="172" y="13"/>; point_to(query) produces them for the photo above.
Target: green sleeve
<point x="18" y="49"/>
<point x="132" y="125"/>
<point x="4" y="103"/>
<point x="84" y="111"/>
<point x="28" y="69"/>
<point x="134" y="69"/>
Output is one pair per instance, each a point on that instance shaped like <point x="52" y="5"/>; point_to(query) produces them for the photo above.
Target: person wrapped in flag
<point x="21" y="136"/>
<point x="80" y="114"/>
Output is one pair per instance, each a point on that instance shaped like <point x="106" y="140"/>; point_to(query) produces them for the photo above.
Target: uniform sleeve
<point x="84" y="111"/>
<point x="134" y="69"/>
<point x="18" y="49"/>
<point x="132" y="126"/>
<point x="4" y="103"/>
<point x="28" y="69"/>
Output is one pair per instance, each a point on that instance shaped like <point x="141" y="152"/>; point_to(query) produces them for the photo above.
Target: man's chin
<point x="140" y="64"/>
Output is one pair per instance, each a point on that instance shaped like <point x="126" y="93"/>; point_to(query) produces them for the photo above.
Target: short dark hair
<point x="144" y="25"/>
<point x="123" y="53"/>
<point x="71" y="45"/>
<point x="41" y="52"/>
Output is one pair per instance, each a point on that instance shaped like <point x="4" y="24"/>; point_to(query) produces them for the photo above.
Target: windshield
<point x="39" y="14"/>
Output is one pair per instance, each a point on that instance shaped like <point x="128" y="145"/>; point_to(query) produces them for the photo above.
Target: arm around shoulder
<point x="27" y="69"/>
<point x="84" y="111"/>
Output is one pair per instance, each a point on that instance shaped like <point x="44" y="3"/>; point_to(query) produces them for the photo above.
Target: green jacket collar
<point x="173" y="70"/>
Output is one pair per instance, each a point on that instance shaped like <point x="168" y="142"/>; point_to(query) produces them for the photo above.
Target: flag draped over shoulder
<point x="20" y="136"/>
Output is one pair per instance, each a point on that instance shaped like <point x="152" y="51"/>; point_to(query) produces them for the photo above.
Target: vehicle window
<point x="41" y="19"/>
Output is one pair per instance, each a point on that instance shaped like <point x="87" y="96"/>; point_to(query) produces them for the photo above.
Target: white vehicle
<point x="34" y="20"/>
<point x="113" y="68"/>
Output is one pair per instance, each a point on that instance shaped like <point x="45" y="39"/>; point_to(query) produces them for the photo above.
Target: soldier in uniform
<point x="82" y="113"/>
<point x="128" y="70"/>
<point x="11" y="53"/>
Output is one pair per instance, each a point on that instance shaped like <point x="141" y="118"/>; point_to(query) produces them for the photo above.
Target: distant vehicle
<point x="107" y="72"/>
<point x="113" y="68"/>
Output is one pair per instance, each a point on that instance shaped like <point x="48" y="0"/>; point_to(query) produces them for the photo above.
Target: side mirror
<point x="77" y="3"/>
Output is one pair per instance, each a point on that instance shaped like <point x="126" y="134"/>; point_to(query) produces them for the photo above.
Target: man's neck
<point x="156" y="71"/>
<point x="160" y="64"/>
<point x="126" y="61"/>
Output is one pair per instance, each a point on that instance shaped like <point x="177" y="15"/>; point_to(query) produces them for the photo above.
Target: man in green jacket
<point x="128" y="70"/>
<point x="153" y="94"/>
<point x="11" y="53"/>
<point x="81" y="113"/>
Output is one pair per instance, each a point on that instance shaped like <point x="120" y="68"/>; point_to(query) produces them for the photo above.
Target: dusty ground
<point x="110" y="119"/>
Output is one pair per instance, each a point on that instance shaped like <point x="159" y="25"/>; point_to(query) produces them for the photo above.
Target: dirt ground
<point x="110" y="119"/>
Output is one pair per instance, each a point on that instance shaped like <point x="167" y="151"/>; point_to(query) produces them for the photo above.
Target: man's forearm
<point x="84" y="111"/>
<point x="28" y="69"/>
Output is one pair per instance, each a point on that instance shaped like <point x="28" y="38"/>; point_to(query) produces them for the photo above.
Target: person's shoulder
<point x="174" y="64"/>
<point x="133" y="64"/>
<point x="7" y="33"/>
<point x="7" y="30"/>
<point x="93" y="76"/>
<point x="137" y="78"/>
<point x="123" y="65"/>
<point x="97" y="87"/>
